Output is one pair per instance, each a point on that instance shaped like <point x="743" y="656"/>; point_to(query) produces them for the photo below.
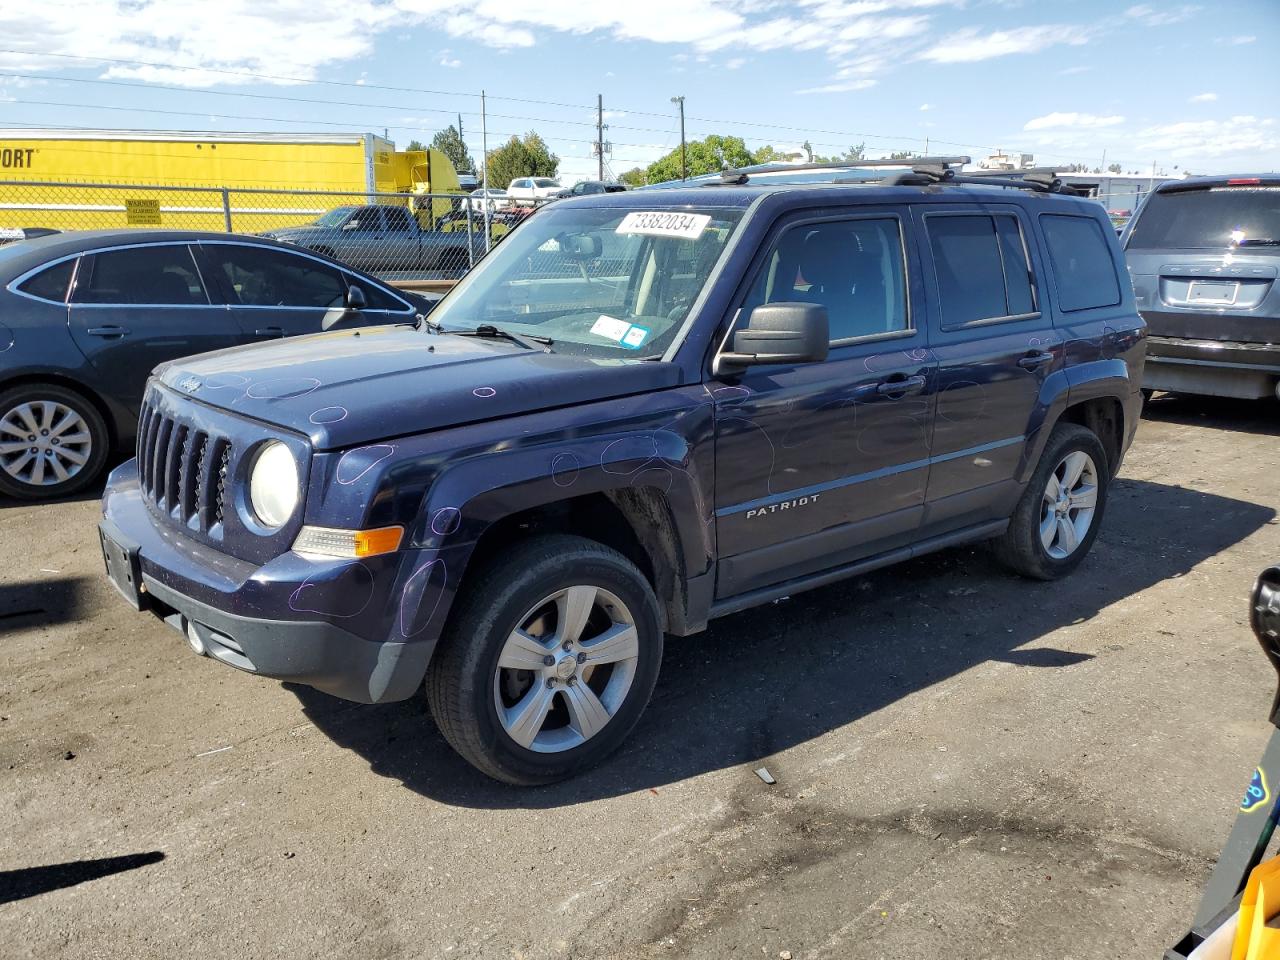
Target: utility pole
<point x="600" y="136"/>
<point x="484" y="152"/>
<point x="684" y="169"/>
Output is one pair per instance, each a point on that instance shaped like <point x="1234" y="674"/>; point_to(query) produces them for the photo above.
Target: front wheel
<point x="1057" y="519"/>
<point x="549" y="663"/>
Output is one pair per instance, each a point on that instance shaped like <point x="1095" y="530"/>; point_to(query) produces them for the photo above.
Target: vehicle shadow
<point x="1261" y="417"/>
<point x="28" y="603"/>
<point x="767" y="679"/>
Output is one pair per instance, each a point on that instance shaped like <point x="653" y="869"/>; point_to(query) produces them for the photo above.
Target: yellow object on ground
<point x="1255" y="940"/>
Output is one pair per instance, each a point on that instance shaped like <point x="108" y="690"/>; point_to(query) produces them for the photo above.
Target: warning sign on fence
<point x="142" y="213"/>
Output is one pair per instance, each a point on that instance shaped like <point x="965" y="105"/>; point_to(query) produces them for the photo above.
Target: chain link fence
<point x="398" y="236"/>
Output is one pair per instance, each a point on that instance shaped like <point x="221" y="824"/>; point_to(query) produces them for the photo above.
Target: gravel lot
<point x="968" y="765"/>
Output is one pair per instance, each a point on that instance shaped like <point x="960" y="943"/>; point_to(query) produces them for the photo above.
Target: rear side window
<point x="262" y="277"/>
<point x="981" y="266"/>
<point x="155" y="276"/>
<point x="1082" y="264"/>
<point x="1213" y="218"/>
<point x="398" y="219"/>
<point x="52" y="282"/>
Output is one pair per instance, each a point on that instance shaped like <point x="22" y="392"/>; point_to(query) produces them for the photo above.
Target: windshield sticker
<point x="634" y="337"/>
<point x="688" y="226"/>
<point x="610" y="328"/>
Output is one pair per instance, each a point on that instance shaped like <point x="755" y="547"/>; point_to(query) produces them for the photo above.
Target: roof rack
<point x="1040" y="179"/>
<point x="737" y="177"/>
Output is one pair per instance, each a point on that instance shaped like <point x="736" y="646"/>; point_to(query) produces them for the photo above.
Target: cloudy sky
<point x="1171" y="84"/>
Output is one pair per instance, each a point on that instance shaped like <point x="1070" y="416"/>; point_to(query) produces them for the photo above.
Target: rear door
<point x="135" y="307"/>
<point x="275" y="293"/>
<point x="1205" y="262"/>
<point x="995" y="345"/>
<point x="402" y="241"/>
<point x="823" y="464"/>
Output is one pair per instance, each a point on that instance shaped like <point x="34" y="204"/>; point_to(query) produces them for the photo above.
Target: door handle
<point x="1033" y="360"/>
<point x="903" y="386"/>
<point x="269" y="332"/>
<point x="111" y="330"/>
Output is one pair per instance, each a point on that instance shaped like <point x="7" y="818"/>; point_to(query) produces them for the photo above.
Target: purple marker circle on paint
<point x="356" y="463"/>
<point x="225" y="381"/>
<point x="445" y="521"/>
<point x="285" y="388"/>
<point x="328" y="415"/>
<point x="564" y="469"/>
<point x="484" y="393"/>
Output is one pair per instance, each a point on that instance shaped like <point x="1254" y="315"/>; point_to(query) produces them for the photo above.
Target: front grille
<point x="183" y="471"/>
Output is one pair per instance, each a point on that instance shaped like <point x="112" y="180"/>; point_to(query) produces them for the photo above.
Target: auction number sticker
<point x="670" y="224"/>
<point x="625" y="334"/>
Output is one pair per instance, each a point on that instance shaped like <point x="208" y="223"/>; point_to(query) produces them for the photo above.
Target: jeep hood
<point x="346" y="388"/>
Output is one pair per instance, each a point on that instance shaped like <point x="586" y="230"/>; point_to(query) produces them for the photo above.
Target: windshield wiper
<point x="1259" y="242"/>
<point x="528" y="341"/>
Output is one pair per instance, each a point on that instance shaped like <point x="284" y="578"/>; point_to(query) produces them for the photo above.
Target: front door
<point x="136" y="307"/>
<point x="819" y="465"/>
<point x="276" y="293"/>
<point x="996" y="345"/>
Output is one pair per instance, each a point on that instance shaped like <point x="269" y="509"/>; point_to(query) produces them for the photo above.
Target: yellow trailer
<point x="85" y="179"/>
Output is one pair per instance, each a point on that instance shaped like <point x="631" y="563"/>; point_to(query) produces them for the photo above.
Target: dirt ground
<point x="967" y="764"/>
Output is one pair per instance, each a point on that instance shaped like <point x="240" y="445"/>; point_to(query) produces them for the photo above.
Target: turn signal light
<point x="333" y="542"/>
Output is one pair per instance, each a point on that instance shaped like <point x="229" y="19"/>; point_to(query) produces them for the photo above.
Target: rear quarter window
<point x="1080" y="258"/>
<point x="50" y="283"/>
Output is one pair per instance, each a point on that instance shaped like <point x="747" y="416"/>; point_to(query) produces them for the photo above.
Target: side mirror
<point x="779" y="333"/>
<point x="351" y="225"/>
<point x="355" y="298"/>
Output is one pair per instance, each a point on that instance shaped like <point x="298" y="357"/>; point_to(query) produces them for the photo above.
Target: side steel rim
<point x="44" y="442"/>
<point x="1069" y="503"/>
<point x="565" y="671"/>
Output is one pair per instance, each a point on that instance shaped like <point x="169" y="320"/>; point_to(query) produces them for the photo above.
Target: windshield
<point x="334" y="218"/>
<point x="1216" y="217"/>
<point x="601" y="282"/>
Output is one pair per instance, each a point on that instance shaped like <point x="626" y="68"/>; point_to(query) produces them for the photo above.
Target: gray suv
<point x="1204" y="257"/>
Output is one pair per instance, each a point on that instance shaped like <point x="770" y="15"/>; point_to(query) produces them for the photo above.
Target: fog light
<point x="333" y="542"/>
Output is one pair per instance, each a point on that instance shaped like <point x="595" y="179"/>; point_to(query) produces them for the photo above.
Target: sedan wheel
<point x="53" y="442"/>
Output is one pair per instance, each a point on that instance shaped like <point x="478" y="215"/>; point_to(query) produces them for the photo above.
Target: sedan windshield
<point x="600" y="282"/>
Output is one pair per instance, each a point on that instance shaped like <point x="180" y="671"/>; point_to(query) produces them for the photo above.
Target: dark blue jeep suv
<point x="641" y="411"/>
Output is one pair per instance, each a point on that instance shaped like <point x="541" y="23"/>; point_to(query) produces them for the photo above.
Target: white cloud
<point x="735" y="63"/>
<point x="1205" y="140"/>
<point x="841" y="86"/>
<point x="1054" y="121"/>
<point x="1203" y="98"/>
<point x="1153" y="17"/>
<point x="1072" y="71"/>
<point x="1236" y="41"/>
<point x="971" y="45"/>
<point x="447" y="59"/>
<point x="926" y="106"/>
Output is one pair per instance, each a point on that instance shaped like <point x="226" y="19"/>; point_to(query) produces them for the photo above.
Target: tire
<point x="467" y="684"/>
<point x="1032" y="545"/>
<point x="45" y="416"/>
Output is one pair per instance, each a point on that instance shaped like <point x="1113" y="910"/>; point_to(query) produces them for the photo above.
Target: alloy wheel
<point x="1070" y="501"/>
<point x="566" y="669"/>
<point x="43" y="443"/>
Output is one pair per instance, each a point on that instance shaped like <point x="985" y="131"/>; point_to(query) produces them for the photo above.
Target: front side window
<point x="854" y="268"/>
<point x="366" y="219"/>
<point x="52" y="282"/>
<point x="263" y="277"/>
<point x="981" y="266"/>
<point x="398" y="220"/>
<point x="375" y="298"/>
<point x="155" y="276"/>
<point x="1081" y="261"/>
<point x="600" y="282"/>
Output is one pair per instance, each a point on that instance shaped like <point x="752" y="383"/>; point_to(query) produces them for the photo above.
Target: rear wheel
<point x="1057" y="519"/>
<point x="549" y="663"/>
<point x="53" y="442"/>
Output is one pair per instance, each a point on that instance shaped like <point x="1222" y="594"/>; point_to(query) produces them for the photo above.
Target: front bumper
<point x="1217" y="367"/>
<point x="334" y="624"/>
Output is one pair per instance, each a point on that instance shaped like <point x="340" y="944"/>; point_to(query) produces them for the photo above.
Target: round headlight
<point x="273" y="485"/>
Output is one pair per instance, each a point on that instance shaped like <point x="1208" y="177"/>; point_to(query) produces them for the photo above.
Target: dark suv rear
<point x="1204" y="257"/>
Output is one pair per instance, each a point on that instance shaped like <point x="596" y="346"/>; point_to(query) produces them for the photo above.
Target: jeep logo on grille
<point x="189" y="384"/>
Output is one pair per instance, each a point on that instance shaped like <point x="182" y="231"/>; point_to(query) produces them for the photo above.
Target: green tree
<point x="702" y="156"/>
<point x="902" y="155"/>
<point x="527" y="156"/>
<point x="1114" y="168"/>
<point x="449" y="142"/>
<point x="416" y="145"/>
<point x="768" y="154"/>
<point x="852" y="155"/>
<point x="634" y="177"/>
